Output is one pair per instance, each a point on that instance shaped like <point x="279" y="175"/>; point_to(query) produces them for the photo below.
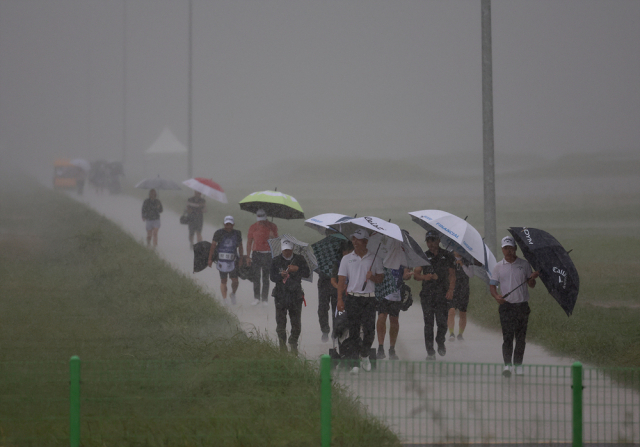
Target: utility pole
<point x="490" y="237"/>
<point x="190" y="97"/>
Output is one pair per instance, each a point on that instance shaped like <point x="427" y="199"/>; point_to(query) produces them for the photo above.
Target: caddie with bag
<point x="287" y="270"/>
<point x="226" y="251"/>
<point x="390" y="302"/>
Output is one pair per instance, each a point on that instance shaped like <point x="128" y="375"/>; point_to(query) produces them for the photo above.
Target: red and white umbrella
<point x="207" y="187"/>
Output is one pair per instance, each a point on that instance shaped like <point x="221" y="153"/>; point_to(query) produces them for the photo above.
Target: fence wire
<point x="423" y="402"/>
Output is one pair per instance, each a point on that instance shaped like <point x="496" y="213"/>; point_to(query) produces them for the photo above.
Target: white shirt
<point x="355" y="269"/>
<point x="509" y="276"/>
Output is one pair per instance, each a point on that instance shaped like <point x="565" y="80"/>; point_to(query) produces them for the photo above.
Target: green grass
<point x="163" y="364"/>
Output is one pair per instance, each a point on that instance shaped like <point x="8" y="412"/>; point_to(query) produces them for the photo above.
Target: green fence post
<point x="74" y="399"/>
<point x="325" y="400"/>
<point x="576" y="374"/>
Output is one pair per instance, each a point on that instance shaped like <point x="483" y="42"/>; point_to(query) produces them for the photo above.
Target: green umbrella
<point x="274" y="203"/>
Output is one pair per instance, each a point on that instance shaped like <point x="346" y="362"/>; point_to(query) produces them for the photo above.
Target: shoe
<point x="452" y="337"/>
<point x="355" y="370"/>
<point x="232" y="297"/>
<point x="442" y="350"/>
<point x="506" y="372"/>
<point x="519" y="370"/>
<point x="365" y="363"/>
<point x="392" y="354"/>
<point x="460" y="337"/>
<point x="431" y="357"/>
<point x="325" y="337"/>
<point x="294" y="350"/>
<point x="265" y="303"/>
<point x="380" y="355"/>
<point x="256" y="301"/>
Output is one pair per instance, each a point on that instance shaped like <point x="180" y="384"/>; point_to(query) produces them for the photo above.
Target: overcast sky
<point x="278" y="78"/>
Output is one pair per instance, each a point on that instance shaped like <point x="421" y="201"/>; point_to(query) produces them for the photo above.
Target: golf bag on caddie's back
<point x="339" y="336"/>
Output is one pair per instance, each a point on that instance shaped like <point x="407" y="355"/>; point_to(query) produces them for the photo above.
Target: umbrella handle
<point x="374" y="260"/>
<point x="525" y="281"/>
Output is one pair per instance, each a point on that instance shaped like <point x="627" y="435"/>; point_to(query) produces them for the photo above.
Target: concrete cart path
<point x="480" y="345"/>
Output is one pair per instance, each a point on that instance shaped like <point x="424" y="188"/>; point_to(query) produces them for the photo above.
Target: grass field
<point x="162" y="363"/>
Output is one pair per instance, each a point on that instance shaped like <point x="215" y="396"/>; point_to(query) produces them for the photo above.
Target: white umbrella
<point x="158" y="183"/>
<point x="388" y="240"/>
<point x="207" y="187"/>
<point x="456" y="234"/>
<point x="325" y="223"/>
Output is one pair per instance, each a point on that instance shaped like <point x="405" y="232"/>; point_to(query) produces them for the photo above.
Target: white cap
<point x="360" y="233"/>
<point x="229" y="219"/>
<point x="508" y="241"/>
<point x="261" y="215"/>
<point x="286" y="244"/>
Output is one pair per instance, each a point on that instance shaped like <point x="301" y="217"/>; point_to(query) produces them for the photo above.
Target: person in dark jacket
<point x="287" y="271"/>
<point x="151" y="209"/>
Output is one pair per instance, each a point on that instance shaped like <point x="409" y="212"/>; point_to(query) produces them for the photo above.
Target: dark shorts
<point x="233" y="274"/>
<point x="459" y="302"/>
<point x="195" y="223"/>
<point x="391" y="308"/>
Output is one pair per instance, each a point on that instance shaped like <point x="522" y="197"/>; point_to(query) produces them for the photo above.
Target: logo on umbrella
<point x="562" y="279"/>
<point x="447" y="230"/>
<point x="373" y="224"/>
<point x="527" y="235"/>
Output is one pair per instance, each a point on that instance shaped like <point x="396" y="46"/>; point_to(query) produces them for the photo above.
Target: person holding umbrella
<point x="151" y="209"/>
<point x="359" y="271"/>
<point x="259" y="254"/>
<point x="438" y="285"/>
<point x="286" y="271"/>
<point x="510" y="274"/>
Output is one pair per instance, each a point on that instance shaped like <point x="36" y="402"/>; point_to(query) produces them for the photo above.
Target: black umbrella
<point x="552" y="261"/>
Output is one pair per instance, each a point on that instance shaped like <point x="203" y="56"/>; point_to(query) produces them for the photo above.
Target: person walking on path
<point x="259" y="254"/>
<point x="361" y="267"/>
<point x="438" y="284"/>
<point x="195" y="210"/>
<point x="151" y="209"/>
<point x="460" y="300"/>
<point x="228" y="243"/>
<point x="510" y="274"/>
<point x="287" y="270"/>
<point x="390" y="305"/>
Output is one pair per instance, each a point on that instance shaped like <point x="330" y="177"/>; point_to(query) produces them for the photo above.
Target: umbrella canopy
<point x="395" y="245"/>
<point x="81" y="163"/>
<point x="327" y="253"/>
<point x="275" y="204"/>
<point x="547" y="256"/>
<point x="207" y="187"/>
<point x="372" y="224"/>
<point x="299" y="248"/>
<point x="324" y="223"/>
<point x="158" y="183"/>
<point x="456" y="233"/>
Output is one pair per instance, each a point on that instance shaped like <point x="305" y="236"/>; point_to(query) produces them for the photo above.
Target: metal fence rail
<point x="439" y="402"/>
<point x="424" y="403"/>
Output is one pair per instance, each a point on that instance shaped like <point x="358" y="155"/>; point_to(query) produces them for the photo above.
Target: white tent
<point x="166" y="157"/>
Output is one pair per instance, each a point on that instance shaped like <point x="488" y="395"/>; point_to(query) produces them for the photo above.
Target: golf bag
<point x="340" y="335"/>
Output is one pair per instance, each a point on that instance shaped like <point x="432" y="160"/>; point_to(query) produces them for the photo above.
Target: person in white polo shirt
<point x="510" y="275"/>
<point x="357" y="275"/>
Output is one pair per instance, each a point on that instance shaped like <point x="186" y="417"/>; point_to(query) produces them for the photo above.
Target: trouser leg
<point x="265" y="279"/>
<point x="324" y="299"/>
<point x="352" y="345"/>
<point x="521" y="333"/>
<point x="441" y="311"/>
<point x="428" y="314"/>
<point x="368" y="325"/>
<point x="281" y="326"/>
<point x="295" y="315"/>
<point x="508" y="332"/>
